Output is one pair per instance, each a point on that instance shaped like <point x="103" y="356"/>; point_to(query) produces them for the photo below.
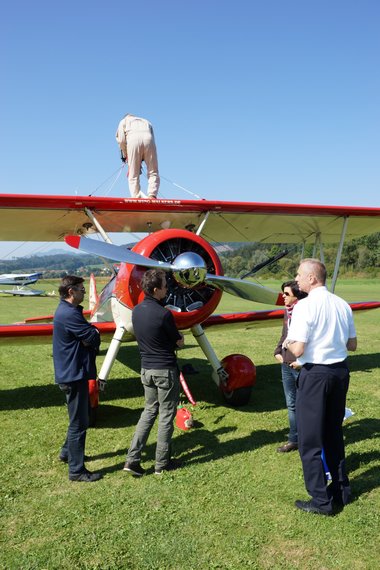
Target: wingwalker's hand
<point x="102" y="384"/>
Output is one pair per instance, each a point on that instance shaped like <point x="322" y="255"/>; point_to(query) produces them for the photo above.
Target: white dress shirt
<point x="324" y="323"/>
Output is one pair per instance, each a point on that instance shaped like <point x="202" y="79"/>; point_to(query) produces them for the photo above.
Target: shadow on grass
<point x="267" y="394"/>
<point x="363" y="362"/>
<point x="365" y="481"/>
<point x="201" y="446"/>
<point x="114" y="417"/>
<point x="358" y="430"/>
<point x="44" y="396"/>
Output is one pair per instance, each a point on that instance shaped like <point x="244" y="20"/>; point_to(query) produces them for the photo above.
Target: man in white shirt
<point x="321" y="332"/>
<point x="136" y="141"/>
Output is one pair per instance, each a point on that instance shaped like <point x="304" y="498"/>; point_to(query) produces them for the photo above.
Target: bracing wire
<point x="174" y="184"/>
<point x="117" y="172"/>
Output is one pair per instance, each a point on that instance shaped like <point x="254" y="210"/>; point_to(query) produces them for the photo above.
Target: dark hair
<point x="67" y="283"/>
<point x="151" y="280"/>
<point x="293" y="285"/>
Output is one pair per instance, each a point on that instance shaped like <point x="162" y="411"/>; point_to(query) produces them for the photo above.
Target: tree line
<point x="360" y="257"/>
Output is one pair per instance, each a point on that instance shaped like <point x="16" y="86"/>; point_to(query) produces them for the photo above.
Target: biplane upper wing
<point x="50" y="218"/>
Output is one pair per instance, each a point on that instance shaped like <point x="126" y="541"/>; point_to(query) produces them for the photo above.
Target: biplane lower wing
<point x="35" y="332"/>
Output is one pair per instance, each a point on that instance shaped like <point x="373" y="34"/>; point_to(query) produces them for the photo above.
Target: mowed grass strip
<point x="232" y="504"/>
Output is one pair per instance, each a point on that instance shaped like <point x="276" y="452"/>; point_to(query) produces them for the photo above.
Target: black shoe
<point x="134" y="469"/>
<point x="171" y="466"/>
<point x="287" y="447"/>
<point x="86" y="477"/>
<point x="308" y="507"/>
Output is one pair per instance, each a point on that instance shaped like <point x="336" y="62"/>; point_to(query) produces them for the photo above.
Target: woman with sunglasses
<point x="289" y="373"/>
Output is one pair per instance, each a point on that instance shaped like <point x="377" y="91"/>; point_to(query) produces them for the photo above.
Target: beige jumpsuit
<point x="136" y="140"/>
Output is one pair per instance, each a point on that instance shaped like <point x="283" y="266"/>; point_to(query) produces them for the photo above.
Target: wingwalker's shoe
<point x="308" y="507"/>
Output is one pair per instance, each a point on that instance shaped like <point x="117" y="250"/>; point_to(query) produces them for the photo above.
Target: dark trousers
<point x="320" y="409"/>
<point x="77" y="399"/>
<point x="161" y="389"/>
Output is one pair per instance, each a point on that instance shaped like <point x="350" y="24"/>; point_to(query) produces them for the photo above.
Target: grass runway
<point x="232" y="504"/>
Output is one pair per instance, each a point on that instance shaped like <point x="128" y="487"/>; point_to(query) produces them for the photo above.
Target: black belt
<point x="341" y="364"/>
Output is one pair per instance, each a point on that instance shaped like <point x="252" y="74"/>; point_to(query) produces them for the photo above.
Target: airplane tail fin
<point x="93" y="294"/>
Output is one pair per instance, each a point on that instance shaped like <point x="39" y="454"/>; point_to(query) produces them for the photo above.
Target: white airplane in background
<point x="20" y="281"/>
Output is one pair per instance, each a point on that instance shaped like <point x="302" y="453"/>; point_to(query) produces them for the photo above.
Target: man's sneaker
<point x="86" y="477"/>
<point x="171" y="466"/>
<point x="134" y="469"/>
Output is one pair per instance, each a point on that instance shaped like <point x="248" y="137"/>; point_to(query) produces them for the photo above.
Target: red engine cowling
<point x="166" y="245"/>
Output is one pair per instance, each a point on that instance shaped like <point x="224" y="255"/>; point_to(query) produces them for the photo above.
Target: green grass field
<point x="232" y="504"/>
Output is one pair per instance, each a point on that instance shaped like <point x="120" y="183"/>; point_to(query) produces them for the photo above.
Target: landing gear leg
<point x="220" y="376"/>
<point x="111" y="354"/>
<point x="235" y="374"/>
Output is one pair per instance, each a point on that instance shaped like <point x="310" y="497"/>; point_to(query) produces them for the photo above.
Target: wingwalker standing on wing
<point x="136" y="140"/>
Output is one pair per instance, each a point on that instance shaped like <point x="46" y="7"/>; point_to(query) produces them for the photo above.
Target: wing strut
<point x="104" y="235"/>
<point x="98" y="226"/>
<point x="339" y="254"/>
<point x="318" y="243"/>
<point x="202" y="224"/>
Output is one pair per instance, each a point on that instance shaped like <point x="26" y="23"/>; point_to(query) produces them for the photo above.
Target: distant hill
<point x="55" y="264"/>
<point x="56" y="251"/>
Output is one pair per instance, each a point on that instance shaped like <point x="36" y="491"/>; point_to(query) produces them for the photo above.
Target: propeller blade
<point x="269" y="261"/>
<point x="114" y="252"/>
<point x="245" y="289"/>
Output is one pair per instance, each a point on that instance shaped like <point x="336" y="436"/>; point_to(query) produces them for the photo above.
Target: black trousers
<point x="320" y="409"/>
<point x="77" y="399"/>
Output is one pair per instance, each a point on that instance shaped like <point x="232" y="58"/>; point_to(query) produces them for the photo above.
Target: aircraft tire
<point x="238" y="397"/>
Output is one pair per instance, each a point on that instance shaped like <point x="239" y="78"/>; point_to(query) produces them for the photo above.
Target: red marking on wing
<point x="73" y="241"/>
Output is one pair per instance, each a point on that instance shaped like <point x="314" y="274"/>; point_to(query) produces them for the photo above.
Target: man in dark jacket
<point x="289" y="371"/>
<point x="157" y="338"/>
<point x="75" y="345"/>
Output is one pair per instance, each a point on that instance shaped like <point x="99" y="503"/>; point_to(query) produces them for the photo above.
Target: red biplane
<point x="180" y="239"/>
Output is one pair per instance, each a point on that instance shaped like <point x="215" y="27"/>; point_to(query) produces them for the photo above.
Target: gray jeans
<point x="161" y="388"/>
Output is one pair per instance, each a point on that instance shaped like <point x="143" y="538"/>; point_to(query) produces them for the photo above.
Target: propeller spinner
<point x="189" y="269"/>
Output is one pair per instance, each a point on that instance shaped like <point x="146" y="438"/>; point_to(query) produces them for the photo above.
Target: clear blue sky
<point x="268" y="101"/>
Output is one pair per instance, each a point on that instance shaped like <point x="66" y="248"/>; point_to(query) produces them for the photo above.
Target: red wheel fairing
<point x="241" y="378"/>
<point x="241" y="372"/>
<point x="166" y="245"/>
